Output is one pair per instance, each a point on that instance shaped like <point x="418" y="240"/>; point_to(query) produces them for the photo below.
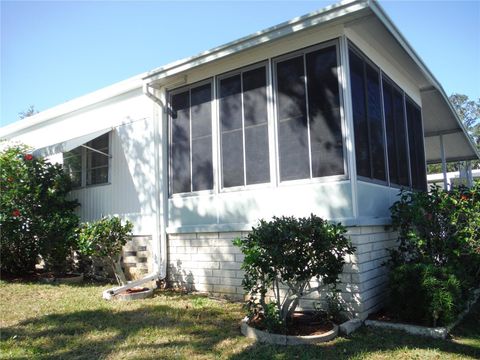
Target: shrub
<point x="438" y="258"/>
<point x="105" y="238"/>
<point x="424" y="293"/>
<point x="36" y="217"/>
<point x="288" y="252"/>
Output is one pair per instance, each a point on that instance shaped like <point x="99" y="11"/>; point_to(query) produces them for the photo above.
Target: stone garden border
<point x="74" y="279"/>
<point x="279" y="339"/>
<point x="135" y="295"/>
<point x="440" y="332"/>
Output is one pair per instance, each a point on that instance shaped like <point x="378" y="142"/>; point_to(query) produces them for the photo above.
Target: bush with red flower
<point x="36" y="217"/>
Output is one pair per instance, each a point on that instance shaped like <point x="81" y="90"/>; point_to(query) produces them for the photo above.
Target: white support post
<point x="444" y="164"/>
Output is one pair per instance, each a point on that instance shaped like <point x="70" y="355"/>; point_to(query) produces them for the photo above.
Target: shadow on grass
<point x="365" y="343"/>
<point x="198" y="330"/>
<point x="100" y="333"/>
<point x="368" y="342"/>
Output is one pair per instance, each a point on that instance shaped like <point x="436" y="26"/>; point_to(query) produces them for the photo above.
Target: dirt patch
<point x="301" y="324"/>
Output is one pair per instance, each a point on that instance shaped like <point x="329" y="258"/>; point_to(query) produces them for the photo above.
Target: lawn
<point x="73" y="322"/>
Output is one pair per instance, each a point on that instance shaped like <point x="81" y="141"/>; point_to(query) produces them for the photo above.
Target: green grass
<point x="73" y="322"/>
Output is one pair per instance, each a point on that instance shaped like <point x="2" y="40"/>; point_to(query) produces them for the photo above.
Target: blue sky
<point x="52" y="52"/>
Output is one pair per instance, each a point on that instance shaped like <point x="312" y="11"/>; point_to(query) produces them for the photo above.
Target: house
<point x="330" y="113"/>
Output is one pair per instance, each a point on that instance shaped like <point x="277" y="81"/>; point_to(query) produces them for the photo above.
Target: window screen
<point x="324" y="112"/>
<point x="367" y="118"/>
<point x="97" y="161"/>
<point x="417" y="152"/>
<point x="244" y="128"/>
<point x="72" y="165"/>
<point x="396" y="134"/>
<point x="310" y="137"/>
<point x="191" y="140"/>
<point x="292" y="120"/>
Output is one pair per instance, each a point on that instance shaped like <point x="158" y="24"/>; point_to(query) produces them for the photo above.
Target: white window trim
<point x="218" y="78"/>
<point x="304" y="52"/>
<point x="171" y="93"/>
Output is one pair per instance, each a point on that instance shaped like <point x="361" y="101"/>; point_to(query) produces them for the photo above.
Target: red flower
<point x="28" y="157"/>
<point x="16" y="213"/>
<point x="464" y="197"/>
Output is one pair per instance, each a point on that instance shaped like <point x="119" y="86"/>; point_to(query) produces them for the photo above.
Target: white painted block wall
<point x="208" y="262"/>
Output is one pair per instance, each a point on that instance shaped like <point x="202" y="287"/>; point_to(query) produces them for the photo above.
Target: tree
<point x="29" y="112"/>
<point x="469" y="113"/>
<point x="283" y="255"/>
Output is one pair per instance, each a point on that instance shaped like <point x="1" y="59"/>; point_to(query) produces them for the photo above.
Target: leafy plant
<point x="424" y="293"/>
<point x="105" y="238"/>
<point x="283" y="255"/>
<point x="440" y="228"/>
<point x="36" y="216"/>
<point x="437" y="261"/>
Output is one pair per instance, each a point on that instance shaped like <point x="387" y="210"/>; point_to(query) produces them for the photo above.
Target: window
<point x="403" y="127"/>
<point x="367" y="118"/>
<point x="191" y="139"/>
<point x="97" y="152"/>
<point x="89" y="164"/>
<point x="72" y="165"/>
<point x="415" y="140"/>
<point x="310" y="139"/>
<point x="397" y="146"/>
<point x="244" y="128"/>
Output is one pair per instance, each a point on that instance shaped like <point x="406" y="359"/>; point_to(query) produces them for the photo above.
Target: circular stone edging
<point x="279" y="339"/>
<point x="134" y="296"/>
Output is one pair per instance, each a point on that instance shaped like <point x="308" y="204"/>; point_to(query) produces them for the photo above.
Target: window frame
<point x="352" y="47"/>
<point x="170" y="93"/>
<point x="366" y="59"/>
<point x="415" y="104"/>
<point x="109" y="172"/>
<point x="84" y="164"/>
<point x="218" y="78"/>
<point x="303" y="52"/>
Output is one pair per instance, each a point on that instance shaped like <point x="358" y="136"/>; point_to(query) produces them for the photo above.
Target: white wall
<point x="130" y="193"/>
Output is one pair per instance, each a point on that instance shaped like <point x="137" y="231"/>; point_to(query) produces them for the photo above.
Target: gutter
<point x="160" y="248"/>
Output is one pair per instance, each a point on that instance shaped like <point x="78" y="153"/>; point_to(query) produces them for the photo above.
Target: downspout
<point x="160" y="258"/>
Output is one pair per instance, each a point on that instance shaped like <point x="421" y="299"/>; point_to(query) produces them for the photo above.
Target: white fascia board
<point x="79" y="103"/>
<point x="388" y="23"/>
<point x="323" y="16"/>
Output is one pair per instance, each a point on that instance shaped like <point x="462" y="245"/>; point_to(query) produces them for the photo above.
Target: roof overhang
<point x="438" y="114"/>
<point x="346" y="10"/>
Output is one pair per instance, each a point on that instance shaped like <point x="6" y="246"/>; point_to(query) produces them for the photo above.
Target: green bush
<point x="438" y="259"/>
<point x="105" y="238"/>
<point x="423" y="293"/>
<point x="36" y="218"/>
<point x="288" y="252"/>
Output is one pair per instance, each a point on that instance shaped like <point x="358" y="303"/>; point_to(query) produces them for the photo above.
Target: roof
<point x="440" y="118"/>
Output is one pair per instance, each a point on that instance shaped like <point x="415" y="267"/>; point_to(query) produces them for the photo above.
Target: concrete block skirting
<point x="208" y="262"/>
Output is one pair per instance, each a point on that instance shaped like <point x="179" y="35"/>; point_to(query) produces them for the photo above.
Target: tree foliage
<point x="283" y="255"/>
<point x="29" y="112"/>
<point x="36" y="217"/>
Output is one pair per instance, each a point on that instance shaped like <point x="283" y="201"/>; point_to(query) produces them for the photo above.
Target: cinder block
<point x="350" y="326"/>
<point x="230" y="281"/>
<point x="212" y="235"/>
<point x="230" y="235"/>
<point x="230" y="265"/>
<point x="225" y="273"/>
<point x="225" y="289"/>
